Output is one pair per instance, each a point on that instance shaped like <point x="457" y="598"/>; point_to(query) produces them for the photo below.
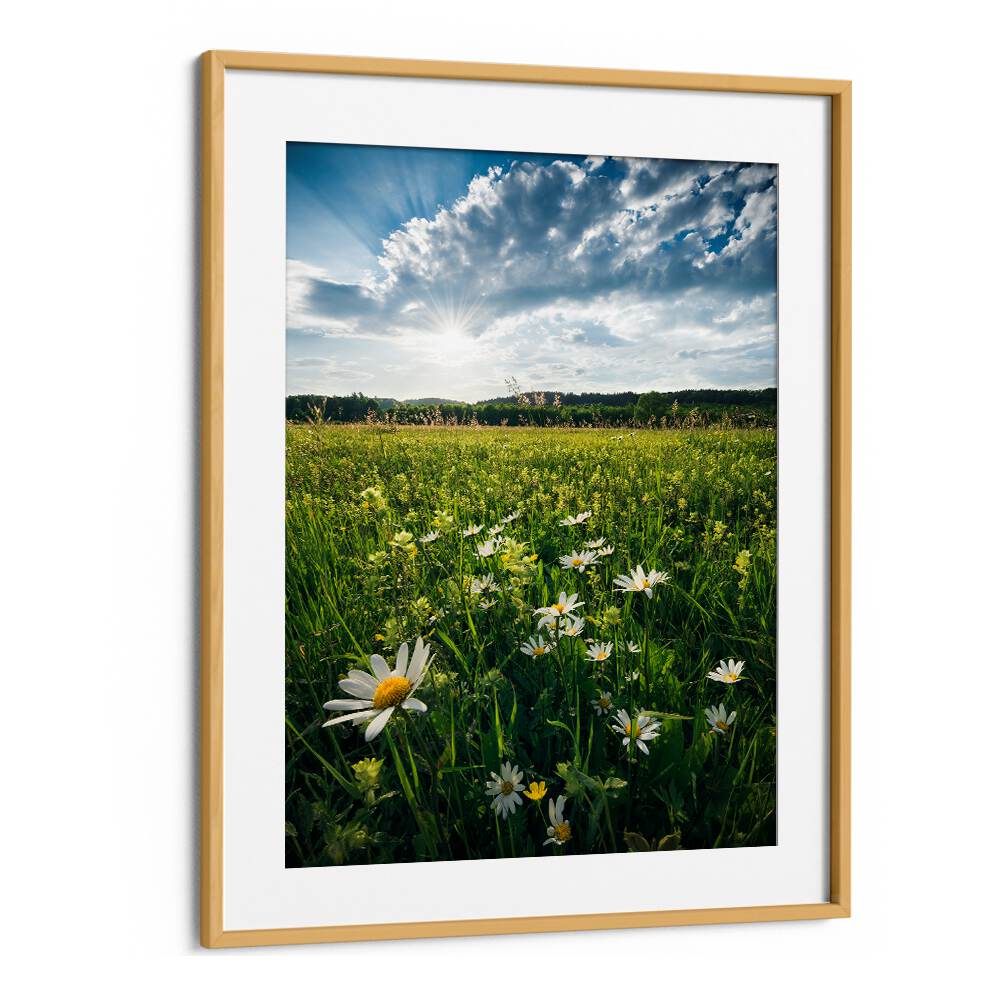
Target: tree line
<point x="683" y="408"/>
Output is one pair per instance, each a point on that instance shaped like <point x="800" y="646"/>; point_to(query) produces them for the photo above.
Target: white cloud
<point x="623" y="273"/>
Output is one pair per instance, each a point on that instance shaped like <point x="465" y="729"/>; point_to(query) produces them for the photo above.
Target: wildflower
<point x="564" y="605"/>
<point x="639" y="730"/>
<point x="559" y="830"/>
<point x="510" y="517"/>
<point x="482" y="584"/>
<point x="488" y="548"/>
<point x="572" y="626"/>
<point x="473" y="529"/>
<point x="516" y="561"/>
<point x="431" y="536"/>
<point x="366" y="773"/>
<point x="495" y="530"/>
<point x="611" y="616"/>
<point x="605" y="550"/>
<point x="578" y="560"/>
<point x="578" y="519"/>
<point x="366" y="776"/>
<point x="727" y="673"/>
<point x="742" y="564"/>
<point x="639" y="581"/>
<point x="372" y="499"/>
<point x="536" y="791"/>
<point x="404" y="540"/>
<point x="379" y="693"/>
<point x="718" y="721"/>
<point x="505" y="787"/>
<point x="595" y="543"/>
<point x="486" y="605"/>
<point x="442" y="521"/>
<point x="536" y="646"/>
<point x="603" y="704"/>
<point x="598" y="651"/>
<point x="633" y="647"/>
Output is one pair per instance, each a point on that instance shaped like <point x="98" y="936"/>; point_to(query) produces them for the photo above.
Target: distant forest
<point x="683" y="408"/>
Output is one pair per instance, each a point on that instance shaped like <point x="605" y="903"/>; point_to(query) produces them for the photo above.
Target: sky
<point x="415" y="273"/>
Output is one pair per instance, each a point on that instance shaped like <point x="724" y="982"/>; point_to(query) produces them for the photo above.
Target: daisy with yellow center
<point x="378" y="694"/>
<point x="536" y="646"/>
<point x="563" y="606"/>
<point x="536" y="791"/>
<point x="577" y="519"/>
<point x="718" y="721"/>
<point x="603" y="703"/>
<point x="638" y="581"/>
<point x="638" y="731"/>
<point x="504" y="787"/>
<point x="727" y="673"/>
<point x="599" y="651"/>
<point x="559" y="830"/>
<point x="578" y="560"/>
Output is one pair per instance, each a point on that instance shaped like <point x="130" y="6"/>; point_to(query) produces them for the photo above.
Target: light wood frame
<point x="213" y="67"/>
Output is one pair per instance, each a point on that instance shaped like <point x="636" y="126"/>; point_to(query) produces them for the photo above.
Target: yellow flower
<point x="536" y="791"/>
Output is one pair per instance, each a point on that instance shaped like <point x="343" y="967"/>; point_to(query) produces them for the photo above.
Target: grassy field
<point x="381" y="551"/>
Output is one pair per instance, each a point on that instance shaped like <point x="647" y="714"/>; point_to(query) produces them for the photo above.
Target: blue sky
<point x="425" y="272"/>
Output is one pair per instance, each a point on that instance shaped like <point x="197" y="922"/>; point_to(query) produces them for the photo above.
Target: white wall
<point x="98" y="396"/>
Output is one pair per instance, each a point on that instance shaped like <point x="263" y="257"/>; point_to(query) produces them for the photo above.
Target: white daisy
<point x="718" y="721"/>
<point x="495" y="530"/>
<point x="578" y="560"/>
<point x="639" y="581"/>
<point x="599" y="651"/>
<point x="559" y="830"/>
<point x="633" y="647"/>
<point x="489" y="547"/>
<point x="510" y="517"/>
<point x="595" y="543"/>
<point x="603" y="703"/>
<point x="727" y="673"/>
<point x="563" y="606"/>
<point x="504" y="787"/>
<point x="578" y="519"/>
<point x="537" y="645"/>
<point x="486" y="605"/>
<point x="431" y="536"/>
<point x="606" y="550"/>
<point x="572" y="625"/>
<point x="483" y="584"/>
<point x="378" y="694"/>
<point x="639" y="730"/>
<point x="473" y="529"/>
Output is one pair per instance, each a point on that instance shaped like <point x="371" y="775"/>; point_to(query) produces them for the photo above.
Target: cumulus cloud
<point x="654" y="271"/>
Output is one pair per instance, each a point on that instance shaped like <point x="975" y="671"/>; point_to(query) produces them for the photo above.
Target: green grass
<point x="686" y="503"/>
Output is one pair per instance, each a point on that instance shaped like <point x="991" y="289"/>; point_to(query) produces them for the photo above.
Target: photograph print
<point x="531" y="464"/>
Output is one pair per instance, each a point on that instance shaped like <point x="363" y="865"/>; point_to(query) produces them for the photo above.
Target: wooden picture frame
<point x="214" y="66"/>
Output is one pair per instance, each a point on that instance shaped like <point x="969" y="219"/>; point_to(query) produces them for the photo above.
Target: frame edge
<point x="213" y="66"/>
<point x="212" y="276"/>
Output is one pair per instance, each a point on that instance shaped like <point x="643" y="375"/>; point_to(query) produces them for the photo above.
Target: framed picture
<point x="526" y="498"/>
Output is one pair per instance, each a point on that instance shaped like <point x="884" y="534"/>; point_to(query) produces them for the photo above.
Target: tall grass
<point x="696" y="504"/>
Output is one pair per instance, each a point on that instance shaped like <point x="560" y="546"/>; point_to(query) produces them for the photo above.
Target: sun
<point x="451" y="319"/>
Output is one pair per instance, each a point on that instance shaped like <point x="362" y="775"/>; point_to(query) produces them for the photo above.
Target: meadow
<point x="528" y="641"/>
